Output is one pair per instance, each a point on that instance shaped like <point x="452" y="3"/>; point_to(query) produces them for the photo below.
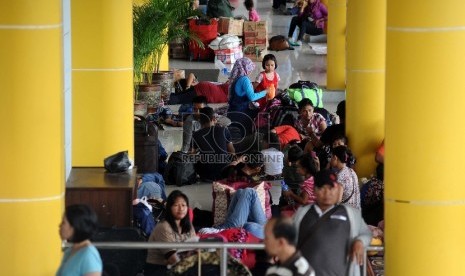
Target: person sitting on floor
<point x="175" y="227"/>
<point x="273" y="156"/>
<point x="191" y="122"/>
<point x="245" y="209"/>
<point x="342" y="140"/>
<point x="280" y="242"/>
<point x="291" y="177"/>
<point x="307" y="167"/>
<point x="346" y="177"/>
<point x="214" y="145"/>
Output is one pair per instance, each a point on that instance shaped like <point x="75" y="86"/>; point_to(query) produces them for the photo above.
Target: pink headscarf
<point x="242" y="67"/>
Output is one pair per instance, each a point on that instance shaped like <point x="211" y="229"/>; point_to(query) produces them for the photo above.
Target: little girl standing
<point x="253" y="14"/>
<point x="267" y="78"/>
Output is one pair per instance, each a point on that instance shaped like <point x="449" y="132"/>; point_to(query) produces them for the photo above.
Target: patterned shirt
<point x="296" y="265"/>
<point x="308" y="186"/>
<point x="349" y="181"/>
<point x="315" y="122"/>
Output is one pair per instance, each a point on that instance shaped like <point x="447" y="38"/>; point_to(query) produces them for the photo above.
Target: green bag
<point x="306" y="90"/>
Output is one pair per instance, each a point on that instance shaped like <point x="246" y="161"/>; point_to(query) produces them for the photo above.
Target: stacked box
<point x="229" y="56"/>
<point x="255" y="53"/>
<point x="230" y="26"/>
<point x="255" y="35"/>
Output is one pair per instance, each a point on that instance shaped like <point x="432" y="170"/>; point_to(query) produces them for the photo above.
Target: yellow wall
<point x="366" y="50"/>
<point x="336" y="58"/>
<point x="32" y="143"/>
<point x="102" y="80"/>
<point x="425" y="92"/>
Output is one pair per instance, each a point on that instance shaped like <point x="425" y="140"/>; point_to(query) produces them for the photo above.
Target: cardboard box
<point x="229" y="56"/>
<point x="260" y="26"/>
<point x="230" y="26"/>
<point x="255" y="41"/>
<point x="255" y="57"/>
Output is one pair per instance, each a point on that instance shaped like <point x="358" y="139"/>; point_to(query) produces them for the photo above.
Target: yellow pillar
<point x="366" y="49"/>
<point x="102" y="80"/>
<point x="164" y="63"/>
<point x="32" y="137"/>
<point x="336" y="58"/>
<point x="425" y="92"/>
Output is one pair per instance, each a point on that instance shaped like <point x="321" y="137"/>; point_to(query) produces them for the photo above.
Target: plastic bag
<point x="118" y="162"/>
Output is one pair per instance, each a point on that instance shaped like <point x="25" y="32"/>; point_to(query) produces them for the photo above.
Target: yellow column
<point x="102" y="80"/>
<point x="366" y="49"/>
<point x="425" y="92"/>
<point x="336" y="58"/>
<point x="32" y="137"/>
<point x="164" y="63"/>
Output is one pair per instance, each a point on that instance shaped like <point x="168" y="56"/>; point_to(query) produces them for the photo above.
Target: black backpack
<point x="180" y="170"/>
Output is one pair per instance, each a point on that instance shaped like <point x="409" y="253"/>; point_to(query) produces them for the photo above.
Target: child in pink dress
<point x="253" y="14"/>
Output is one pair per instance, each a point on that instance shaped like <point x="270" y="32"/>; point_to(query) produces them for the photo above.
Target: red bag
<point x="206" y="30"/>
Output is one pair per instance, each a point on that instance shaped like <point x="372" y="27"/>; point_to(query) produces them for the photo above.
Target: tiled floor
<point x="293" y="65"/>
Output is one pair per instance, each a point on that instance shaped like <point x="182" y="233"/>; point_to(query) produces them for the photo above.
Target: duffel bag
<point x="306" y="90"/>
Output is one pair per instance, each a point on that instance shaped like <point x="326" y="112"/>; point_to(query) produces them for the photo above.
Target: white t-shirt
<point x="273" y="161"/>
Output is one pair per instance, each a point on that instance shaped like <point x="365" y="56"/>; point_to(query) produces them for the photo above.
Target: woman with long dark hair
<point x="176" y="227"/>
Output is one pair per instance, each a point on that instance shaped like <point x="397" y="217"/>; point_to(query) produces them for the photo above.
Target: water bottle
<point x="223" y="69"/>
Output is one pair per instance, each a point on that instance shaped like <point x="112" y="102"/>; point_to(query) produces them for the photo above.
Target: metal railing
<point x="203" y="245"/>
<point x="369" y="248"/>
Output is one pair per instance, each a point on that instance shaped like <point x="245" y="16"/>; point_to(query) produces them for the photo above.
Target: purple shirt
<point x="316" y="11"/>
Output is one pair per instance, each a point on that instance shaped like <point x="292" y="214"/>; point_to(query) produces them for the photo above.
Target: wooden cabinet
<point x="109" y="194"/>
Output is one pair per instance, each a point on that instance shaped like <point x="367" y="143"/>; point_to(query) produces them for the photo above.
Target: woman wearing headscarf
<point x="241" y="94"/>
<point x="318" y="13"/>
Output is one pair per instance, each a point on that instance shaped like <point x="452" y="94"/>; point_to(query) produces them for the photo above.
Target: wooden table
<point x="109" y="194"/>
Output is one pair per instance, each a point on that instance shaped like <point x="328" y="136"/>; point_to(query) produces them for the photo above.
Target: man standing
<point x="280" y="239"/>
<point x="331" y="237"/>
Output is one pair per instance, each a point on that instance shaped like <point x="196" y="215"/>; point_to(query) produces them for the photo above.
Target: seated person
<point x="273" y="156"/>
<point x="290" y="175"/>
<point x="379" y="157"/>
<point x="245" y="209"/>
<point x="191" y="122"/>
<point x="175" y="227"/>
<point x="214" y="146"/>
<point x="187" y="89"/>
<point x="164" y="115"/>
<point x="341" y="140"/>
<point x="345" y="176"/>
<point x="151" y="185"/>
<point x="286" y="134"/>
<point x="310" y="124"/>
<point x="372" y="198"/>
<point x="307" y="167"/>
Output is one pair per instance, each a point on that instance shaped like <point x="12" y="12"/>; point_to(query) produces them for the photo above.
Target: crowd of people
<point x="319" y="226"/>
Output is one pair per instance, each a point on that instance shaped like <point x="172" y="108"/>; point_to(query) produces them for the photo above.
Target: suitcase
<point x="206" y="31"/>
<point x="145" y="146"/>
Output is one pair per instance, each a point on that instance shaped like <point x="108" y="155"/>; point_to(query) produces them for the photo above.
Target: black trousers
<point x="302" y="23"/>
